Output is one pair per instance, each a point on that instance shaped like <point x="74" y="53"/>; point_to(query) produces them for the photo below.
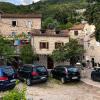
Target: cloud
<point x="26" y="2"/>
<point x="18" y="2"/>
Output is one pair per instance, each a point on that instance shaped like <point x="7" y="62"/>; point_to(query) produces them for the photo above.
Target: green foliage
<point x="69" y="25"/>
<point x="27" y="54"/>
<point x="93" y="16"/>
<point x="97" y="32"/>
<point x="6" y="48"/>
<point x="50" y="23"/>
<point x="59" y="55"/>
<point x="60" y="11"/>
<point x="71" y="50"/>
<point x="15" y="94"/>
<point x="74" y="48"/>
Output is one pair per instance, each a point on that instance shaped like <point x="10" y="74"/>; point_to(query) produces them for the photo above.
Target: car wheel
<point x="51" y="75"/>
<point x="93" y="77"/>
<point x="78" y="79"/>
<point x="63" y="80"/>
<point x="28" y="82"/>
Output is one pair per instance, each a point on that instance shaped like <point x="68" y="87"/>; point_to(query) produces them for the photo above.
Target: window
<point x="41" y="69"/>
<point x="13" y="23"/>
<point x="44" y="45"/>
<point x="29" y="24"/>
<point x="58" y="45"/>
<point x="75" y="33"/>
<point x="8" y="70"/>
<point x="27" y="68"/>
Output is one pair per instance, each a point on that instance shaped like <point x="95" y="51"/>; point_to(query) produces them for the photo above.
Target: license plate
<point x="13" y="80"/>
<point x="43" y="77"/>
<point x="74" y="77"/>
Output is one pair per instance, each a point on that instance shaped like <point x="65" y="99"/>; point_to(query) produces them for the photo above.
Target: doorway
<point x="50" y="62"/>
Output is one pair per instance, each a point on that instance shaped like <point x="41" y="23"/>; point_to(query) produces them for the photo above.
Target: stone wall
<point x="22" y="25"/>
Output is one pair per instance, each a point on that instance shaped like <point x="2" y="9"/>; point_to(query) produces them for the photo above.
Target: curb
<point x="90" y="84"/>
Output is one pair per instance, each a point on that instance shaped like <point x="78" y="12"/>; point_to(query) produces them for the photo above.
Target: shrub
<point x="15" y="94"/>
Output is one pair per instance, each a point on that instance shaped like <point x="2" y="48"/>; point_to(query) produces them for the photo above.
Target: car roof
<point x="4" y="66"/>
<point x="67" y="66"/>
<point x="32" y="65"/>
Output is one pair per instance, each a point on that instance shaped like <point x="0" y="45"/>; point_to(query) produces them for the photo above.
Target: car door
<point x="27" y="71"/>
<point x="61" y="72"/>
<point x="54" y="72"/>
<point x="58" y="72"/>
<point x="98" y="74"/>
<point x="20" y="72"/>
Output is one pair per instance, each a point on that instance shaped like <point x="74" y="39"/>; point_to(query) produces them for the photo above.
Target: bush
<point x="15" y="95"/>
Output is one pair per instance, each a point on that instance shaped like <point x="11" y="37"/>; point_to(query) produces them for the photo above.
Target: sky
<point x="18" y="2"/>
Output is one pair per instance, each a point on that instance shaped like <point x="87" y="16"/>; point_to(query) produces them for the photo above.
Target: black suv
<point x="95" y="74"/>
<point x="65" y="73"/>
<point x="33" y="73"/>
<point x="7" y="77"/>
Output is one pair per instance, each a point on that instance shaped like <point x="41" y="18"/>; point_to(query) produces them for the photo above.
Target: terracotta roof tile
<point x="78" y="27"/>
<point x="6" y="15"/>
<point x="51" y="33"/>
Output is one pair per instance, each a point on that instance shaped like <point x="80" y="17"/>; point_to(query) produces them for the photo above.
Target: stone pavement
<point x="86" y="78"/>
<point x="90" y="82"/>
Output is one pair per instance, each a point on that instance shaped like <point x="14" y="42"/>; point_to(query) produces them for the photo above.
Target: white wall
<point x="37" y="39"/>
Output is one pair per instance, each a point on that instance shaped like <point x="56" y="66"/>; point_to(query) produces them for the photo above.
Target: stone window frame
<point x="44" y="45"/>
<point x="76" y="32"/>
<point x="13" y="23"/>
<point x="27" y="23"/>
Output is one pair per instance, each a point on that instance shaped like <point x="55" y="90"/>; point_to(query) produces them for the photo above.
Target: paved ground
<point x="54" y="90"/>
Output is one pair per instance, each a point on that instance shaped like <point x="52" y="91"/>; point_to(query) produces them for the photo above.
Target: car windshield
<point x="73" y="69"/>
<point x="8" y="71"/>
<point x="41" y="69"/>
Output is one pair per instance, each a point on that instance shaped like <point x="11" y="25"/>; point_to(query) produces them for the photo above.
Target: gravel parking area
<point x="54" y="90"/>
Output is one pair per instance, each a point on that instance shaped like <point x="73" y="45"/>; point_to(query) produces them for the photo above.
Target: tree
<point x="75" y="50"/>
<point x="27" y="54"/>
<point x="93" y="17"/>
<point x="50" y="23"/>
<point x="6" y="47"/>
<point x="71" y="50"/>
<point x="59" y="55"/>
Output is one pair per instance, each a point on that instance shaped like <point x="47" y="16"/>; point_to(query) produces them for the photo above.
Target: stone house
<point x="14" y="24"/>
<point x="79" y="31"/>
<point x="83" y="33"/>
<point x="44" y="42"/>
<point x="93" y="49"/>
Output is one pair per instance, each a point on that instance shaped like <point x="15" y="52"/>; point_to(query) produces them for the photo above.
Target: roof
<point x="33" y="15"/>
<point x="51" y="33"/>
<point x="32" y="65"/>
<point x="78" y="27"/>
<point x="68" y="66"/>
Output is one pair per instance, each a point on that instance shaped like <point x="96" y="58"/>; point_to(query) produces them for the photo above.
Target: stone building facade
<point x="45" y="42"/>
<point x="14" y="24"/>
<point x="84" y="33"/>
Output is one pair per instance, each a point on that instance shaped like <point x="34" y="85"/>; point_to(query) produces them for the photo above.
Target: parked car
<point x="7" y="77"/>
<point x="66" y="73"/>
<point x="95" y="74"/>
<point x="33" y="73"/>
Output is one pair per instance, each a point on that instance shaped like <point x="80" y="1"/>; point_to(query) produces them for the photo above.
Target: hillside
<point x="58" y="12"/>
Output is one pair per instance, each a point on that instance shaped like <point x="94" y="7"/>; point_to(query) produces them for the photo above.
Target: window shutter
<point x="47" y="45"/>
